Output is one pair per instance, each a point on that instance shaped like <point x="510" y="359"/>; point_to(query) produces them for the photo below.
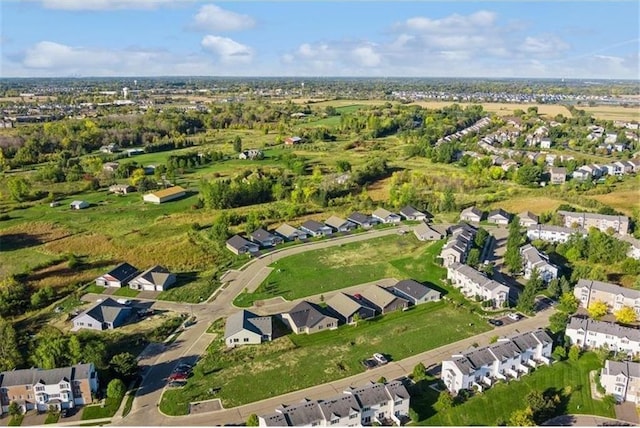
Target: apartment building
<point x="375" y="403"/>
<point x="62" y="388"/>
<point x="588" y="291"/>
<point x="589" y="333"/>
<point x="622" y="380"/>
<point x="535" y="260"/>
<point x="458" y="245"/>
<point x="509" y="358"/>
<point x="475" y="284"/>
<point x="549" y="233"/>
<point x="619" y="223"/>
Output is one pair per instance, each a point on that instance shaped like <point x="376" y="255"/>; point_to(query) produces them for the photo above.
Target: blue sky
<point x="571" y="39"/>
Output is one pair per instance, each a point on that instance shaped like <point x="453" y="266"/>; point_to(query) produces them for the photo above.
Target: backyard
<point x="316" y="272"/>
<point x="294" y="362"/>
<point x="570" y="380"/>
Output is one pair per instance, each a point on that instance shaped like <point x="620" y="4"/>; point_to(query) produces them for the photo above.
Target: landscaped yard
<point x="569" y="380"/>
<point x="298" y="361"/>
<point x="329" y="269"/>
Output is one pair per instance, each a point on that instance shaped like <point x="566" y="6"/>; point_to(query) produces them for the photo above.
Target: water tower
<point x="125" y="92"/>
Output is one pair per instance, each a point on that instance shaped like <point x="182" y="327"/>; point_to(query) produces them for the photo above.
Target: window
<point x="335" y="421"/>
<point x="397" y="403"/>
<point x="27" y="387"/>
<point x="364" y="409"/>
<point x="353" y="416"/>
<point x="236" y="340"/>
<point x="39" y="388"/>
<point x="246" y="339"/>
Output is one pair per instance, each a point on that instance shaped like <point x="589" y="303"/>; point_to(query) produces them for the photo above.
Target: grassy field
<point x="294" y="362"/>
<point x="623" y="200"/>
<point x="613" y="112"/>
<point x="494" y="406"/>
<point x="320" y="271"/>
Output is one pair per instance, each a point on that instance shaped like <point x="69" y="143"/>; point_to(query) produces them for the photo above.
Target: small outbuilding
<point x="79" y="205"/>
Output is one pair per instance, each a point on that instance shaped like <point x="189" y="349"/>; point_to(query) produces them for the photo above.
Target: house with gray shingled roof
<point x="246" y="328"/>
<point x="473" y="284"/>
<point x="588" y="291"/>
<point x="382" y="300"/>
<point x="290" y="233"/>
<point x="509" y="357"/>
<point x="105" y="315"/>
<point x="307" y="317"/>
<point x="622" y="380"/>
<point x="345" y="307"/>
<point x="415" y="292"/>
<point x="550" y="233"/>
<point x="118" y="276"/>
<point x="589" y="334"/>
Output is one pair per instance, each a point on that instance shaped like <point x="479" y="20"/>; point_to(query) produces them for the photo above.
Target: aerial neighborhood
<point x="318" y="252"/>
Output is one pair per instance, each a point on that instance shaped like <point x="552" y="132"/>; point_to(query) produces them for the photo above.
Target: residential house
<point x="527" y="219"/>
<point x="264" y="238"/>
<point x="507" y="358"/>
<point x="415" y="292"/>
<point x="291" y="141"/>
<point x="363" y="220"/>
<point x="290" y="233"/>
<point x="105" y="315"/>
<point x="458" y="245"/>
<point x="424" y="232"/>
<point x="534" y="260"/>
<point x="118" y="276"/>
<point x="508" y="164"/>
<point x="339" y="224"/>
<point x="471" y="214"/>
<point x="315" y="228"/>
<point x="581" y="174"/>
<point x="551" y="233"/>
<point x="348" y="309"/>
<point x="308" y="318"/>
<point x="614" y="169"/>
<point x="618" y="223"/>
<point x="38" y="389"/>
<point x="79" y="205"/>
<point x="386" y="216"/>
<point x="375" y="403"/>
<point x="246" y="328"/>
<point x="588" y="291"/>
<point x="634" y="245"/>
<point x="110" y="167"/>
<point x="121" y="189"/>
<point x="588" y="333"/>
<point x="622" y="380"/>
<point x="626" y="167"/>
<point x="410" y="213"/>
<point x="474" y="284"/>
<point x="238" y="245"/>
<point x="545" y="143"/>
<point x="499" y="216"/>
<point x="165" y="195"/>
<point x="557" y="175"/>
<point x="251" y="154"/>
<point x="156" y="278"/>
<point x="382" y="300"/>
<point x="110" y="148"/>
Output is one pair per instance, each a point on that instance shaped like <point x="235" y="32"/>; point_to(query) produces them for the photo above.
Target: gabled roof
<point x="359" y="218"/>
<point x="123" y="271"/>
<point x="379" y="296"/>
<point x="168" y="192"/>
<point x="261" y="235"/>
<point x="608" y="288"/>
<point x="424" y="228"/>
<point x="346" y="305"/>
<point x="246" y="320"/>
<point x="628" y="369"/>
<point x="336" y="222"/>
<point x="45" y="377"/>
<point x="414" y="289"/>
<point x="340" y="406"/>
<point x="613" y="329"/>
<point x="528" y="215"/>
<point x="471" y="210"/>
<point x="382" y="213"/>
<point x="288" y="230"/>
<point x="313" y="225"/>
<point x="370" y="395"/>
<point x="238" y="242"/>
<point x="499" y="213"/>
<point x="410" y="211"/>
<point x="303" y="414"/>
<point x="157" y="275"/>
<point x="106" y="311"/>
<point x="307" y="314"/>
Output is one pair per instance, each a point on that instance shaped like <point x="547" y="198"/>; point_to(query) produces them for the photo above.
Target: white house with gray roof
<point x="62" y="388"/>
<point x="238" y="245"/>
<point x="589" y="333"/>
<point x="527" y="219"/>
<point x="381" y="403"/>
<point x="471" y="214"/>
<point x="535" y="260"/>
<point x="346" y="308"/>
<point x="265" y="238"/>
<point x="118" y="276"/>
<point x="386" y="216"/>
<point x="156" y="278"/>
<point x="410" y="213"/>
<point x="415" y="292"/>
<point x="363" y="220"/>
<point x="588" y="291"/>
<point x="507" y="358"/>
<point x="307" y="317"/>
<point x="246" y="328"/>
<point x="424" y="232"/>
<point x="339" y="224"/>
<point x="105" y="315"/>
<point x="550" y="233"/>
<point x="290" y="233"/>
<point x="622" y="380"/>
<point x="315" y="228"/>
<point x="473" y="283"/>
<point x="634" y="245"/>
<point x="458" y="245"/>
<point x="602" y="222"/>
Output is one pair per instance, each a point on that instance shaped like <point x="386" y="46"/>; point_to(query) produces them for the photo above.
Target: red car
<point x="178" y="376"/>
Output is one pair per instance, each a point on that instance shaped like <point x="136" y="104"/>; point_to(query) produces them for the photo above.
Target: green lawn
<point x="569" y="380"/>
<point x="320" y="271"/>
<point x="126" y="292"/>
<point x="52" y="418"/>
<point x="299" y="361"/>
<point x="99" y="412"/>
<point x="16" y="421"/>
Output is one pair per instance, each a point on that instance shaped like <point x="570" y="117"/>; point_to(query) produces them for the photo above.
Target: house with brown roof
<point x="347" y="308"/>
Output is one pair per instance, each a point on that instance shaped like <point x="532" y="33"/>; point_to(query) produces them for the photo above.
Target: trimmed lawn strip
<point x="130" y="396"/>
<point x="52" y="418"/>
<point x="299" y="361"/>
<point x="95" y="289"/>
<point x="126" y="292"/>
<point x="98" y="412"/>
<point x="16" y="421"/>
<point x="495" y="405"/>
<point x="329" y="269"/>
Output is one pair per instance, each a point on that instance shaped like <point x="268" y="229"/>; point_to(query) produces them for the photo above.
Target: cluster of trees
<point x="515" y="239"/>
<point x="540" y="408"/>
<point x="625" y="315"/>
<point x="241" y="191"/>
<point x="596" y="247"/>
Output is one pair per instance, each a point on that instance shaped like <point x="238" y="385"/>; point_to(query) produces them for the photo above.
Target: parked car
<point x="64" y="413"/>
<point x="380" y="358"/>
<point x="178" y="376"/>
<point x="177" y="383"/>
<point x="497" y="323"/>
<point x="514" y="316"/>
<point x="189" y="322"/>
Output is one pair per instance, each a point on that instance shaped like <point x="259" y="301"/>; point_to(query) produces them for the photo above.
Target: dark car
<point x="64" y="413"/>
<point x="497" y="323"/>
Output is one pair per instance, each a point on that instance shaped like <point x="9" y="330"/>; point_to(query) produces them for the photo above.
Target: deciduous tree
<point x="10" y="357"/>
<point x="625" y="315"/>
<point x="598" y="309"/>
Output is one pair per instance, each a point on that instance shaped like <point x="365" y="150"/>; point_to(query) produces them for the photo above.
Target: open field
<point x="321" y="271"/>
<point x="503" y="109"/>
<point x="294" y="362"/>
<point x="494" y="406"/>
<point x="622" y="200"/>
<point x="535" y="204"/>
<point x="613" y="112"/>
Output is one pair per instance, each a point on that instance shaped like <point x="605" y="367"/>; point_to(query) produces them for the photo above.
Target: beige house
<point x="475" y="284"/>
<point x="382" y="300"/>
<point x="588" y="291"/>
<point x="309" y="318"/>
<point x="618" y="223"/>
<point x="622" y="380"/>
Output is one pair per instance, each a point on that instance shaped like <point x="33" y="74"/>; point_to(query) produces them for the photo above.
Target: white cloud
<point x="109" y="4"/>
<point x="452" y="24"/>
<point x="367" y="56"/>
<point x="546" y="45"/>
<point x="212" y="18"/>
<point x="227" y="50"/>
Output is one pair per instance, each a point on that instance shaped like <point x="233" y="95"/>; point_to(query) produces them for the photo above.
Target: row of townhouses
<point x="375" y="403"/>
<point x="532" y="259"/>
<point x="622" y="380"/>
<point x="588" y="333"/>
<point x="508" y="358"/>
<point x="474" y="129"/>
<point x="602" y="222"/>
<point x="550" y="233"/>
<point x="615" y="296"/>
<point x="62" y="388"/>
<point x="474" y="284"/>
<point x="618" y="168"/>
<point x="458" y="245"/>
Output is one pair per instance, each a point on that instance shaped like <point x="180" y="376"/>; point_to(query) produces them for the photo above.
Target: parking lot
<point x="506" y="320"/>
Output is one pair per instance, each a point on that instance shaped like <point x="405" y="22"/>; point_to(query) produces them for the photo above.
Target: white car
<point x="514" y="316"/>
<point x="380" y="358"/>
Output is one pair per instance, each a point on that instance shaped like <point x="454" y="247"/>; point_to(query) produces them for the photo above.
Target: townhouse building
<point x="62" y="388"/>
<point x="588" y="291"/>
<point x="588" y="333"/>
<point x="508" y="358"/>
<point x="535" y="260"/>
<point x="551" y="233"/>
<point x="375" y="403"/>
<point x="622" y="380"/>
<point x="474" y="284"/>
<point x="458" y="245"/>
<point x="619" y="223"/>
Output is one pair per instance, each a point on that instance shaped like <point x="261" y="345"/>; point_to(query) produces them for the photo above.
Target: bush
<point x="116" y="389"/>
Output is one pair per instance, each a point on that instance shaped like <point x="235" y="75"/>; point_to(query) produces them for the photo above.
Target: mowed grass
<point x="568" y="379"/>
<point x="299" y="361"/>
<point x="320" y="271"/>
